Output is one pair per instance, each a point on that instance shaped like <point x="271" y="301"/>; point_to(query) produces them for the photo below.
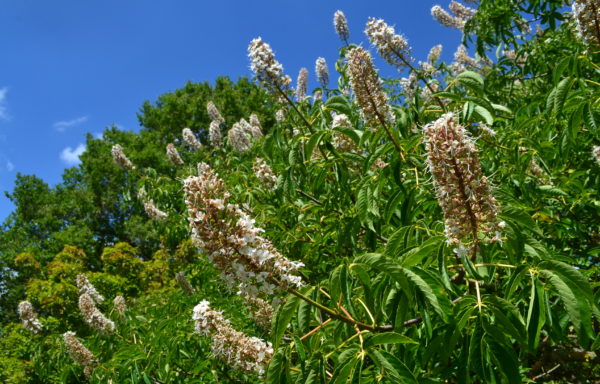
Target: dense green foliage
<point x="386" y="296"/>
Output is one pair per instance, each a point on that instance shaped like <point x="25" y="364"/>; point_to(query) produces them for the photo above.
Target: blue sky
<point x="72" y="67"/>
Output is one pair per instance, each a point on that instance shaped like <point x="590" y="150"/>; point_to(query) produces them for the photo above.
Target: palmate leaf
<point x="432" y="289"/>
<point x="283" y="318"/>
<point x="578" y="308"/>
<point x="394" y="370"/>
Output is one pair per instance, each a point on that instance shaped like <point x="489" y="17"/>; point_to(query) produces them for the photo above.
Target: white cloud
<point x="9" y="165"/>
<point x="60" y="126"/>
<point x="71" y="156"/>
<point x="3" y="112"/>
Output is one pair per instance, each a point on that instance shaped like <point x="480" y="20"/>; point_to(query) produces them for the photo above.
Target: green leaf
<point x="388" y="338"/>
<point x="472" y="80"/>
<point x="283" y="318"/>
<point x="484" y="114"/>
<point x="393" y="369"/>
<point x="506" y="360"/>
<point x="276" y="368"/>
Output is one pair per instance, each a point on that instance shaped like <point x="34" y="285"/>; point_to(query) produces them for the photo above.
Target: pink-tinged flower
<point x="302" y="84"/>
<point x="214" y="134"/>
<point x="322" y="72"/>
<point x="28" y="317"/>
<point x="213" y="113"/>
<point x="249" y="354"/>
<point x="264" y="173"/>
<point x="462" y="190"/>
<point x="341" y="25"/>
<point x="120" y="158"/>
<point x="370" y="96"/>
<point x="173" y="155"/>
<point x="267" y="70"/>
<point x="79" y="353"/>
<point x="392" y="47"/>
<point x="93" y="317"/>
<point x="190" y="139"/>
<point x="229" y="238"/>
<point x="85" y="287"/>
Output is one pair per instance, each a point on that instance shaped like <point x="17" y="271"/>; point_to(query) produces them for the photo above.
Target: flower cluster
<point x="261" y="311"/>
<point x="85" y="287"/>
<point x="243" y="352"/>
<point x="341" y="25"/>
<point x="214" y="113"/>
<point x="79" y="353"/>
<point x="445" y="19"/>
<point x="428" y="68"/>
<point x="264" y="173"/>
<point x="255" y="122"/>
<point x="254" y="130"/>
<point x="190" y="139"/>
<point x="119" y="303"/>
<point x="239" y="138"/>
<point x="392" y="47"/>
<point x="463" y="61"/>
<point x="596" y="153"/>
<point x="302" y="84"/>
<point x="409" y="86"/>
<point x="214" y="134"/>
<point x="462" y="12"/>
<point x="29" y="317"/>
<point x="434" y="53"/>
<point x="173" y="155"/>
<point x="184" y="284"/>
<point x="587" y="17"/>
<point x="232" y="243"/>
<point x="120" y="158"/>
<point x="370" y="96"/>
<point x="340" y="141"/>
<point x="153" y="212"/>
<point x="322" y="71"/>
<point x="280" y="116"/>
<point x="268" y="70"/>
<point x="462" y="191"/>
<point x="93" y="317"/>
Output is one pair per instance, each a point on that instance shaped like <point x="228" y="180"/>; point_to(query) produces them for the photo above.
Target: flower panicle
<point x="302" y="84"/>
<point x="248" y="354"/>
<point x="190" y="139"/>
<point x="370" y="96"/>
<point x="392" y="47"/>
<point x="214" y="113"/>
<point x="85" y="287"/>
<point x="445" y="19"/>
<point x="596" y="153"/>
<point x="264" y="173"/>
<point x="214" y="134"/>
<point x="120" y="304"/>
<point x="79" y="353"/>
<point x="463" y="192"/>
<point x="322" y="72"/>
<point x="461" y="11"/>
<point x="266" y="68"/>
<point x="341" y="25"/>
<point x="587" y="21"/>
<point x="225" y="233"/>
<point x="173" y="155"/>
<point x="255" y="122"/>
<point x="153" y="212"/>
<point x="184" y="284"/>
<point x="120" y="158"/>
<point x="93" y="317"/>
<point x="29" y="317"/>
<point x="239" y="138"/>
